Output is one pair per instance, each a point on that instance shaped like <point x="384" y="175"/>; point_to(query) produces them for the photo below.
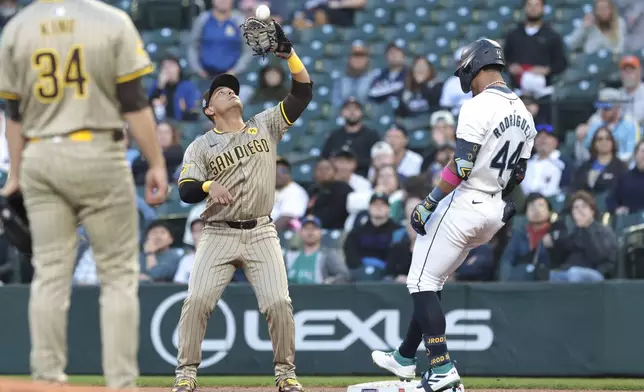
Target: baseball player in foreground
<point x="233" y="167"/>
<point x="71" y="72"/>
<point x="494" y="140"/>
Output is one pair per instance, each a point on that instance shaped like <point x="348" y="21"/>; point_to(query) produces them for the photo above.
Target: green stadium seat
<point x="558" y="203"/>
<point x="302" y="172"/>
<point x="461" y="15"/>
<point x="336" y="49"/>
<point x="377" y="16"/>
<point x="364" y="33"/>
<point x="287" y="144"/>
<point x="583" y="90"/>
<point x="419" y="15"/>
<point x="419" y="140"/>
<point x="158" y="14"/>
<point x="412" y="4"/>
<point x="420" y="122"/>
<point x="502" y="14"/>
<point x="621" y="223"/>
<point x="388" y="5"/>
<point x="491" y="29"/>
<point x="332" y="239"/>
<point x="568" y="14"/>
<point x="161" y="37"/>
<point x="326" y="33"/>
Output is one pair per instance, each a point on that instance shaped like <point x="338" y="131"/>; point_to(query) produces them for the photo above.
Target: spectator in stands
<point x="131" y="153"/>
<point x="422" y="91"/>
<point x="452" y="96"/>
<point x="407" y="162"/>
<point x="390" y="81"/>
<point x="328" y="196"/>
<point x="402" y="246"/>
<point x="478" y="266"/>
<point x="344" y="163"/>
<point x="85" y="272"/>
<point x="217" y="45"/>
<point x="600" y="173"/>
<point x="168" y="136"/>
<point x="382" y="154"/>
<point x="322" y="12"/>
<point x="8" y="8"/>
<point x="590" y="249"/>
<point x="625" y="130"/>
<point x="539" y="116"/>
<point x="357" y="77"/>
<point x="630" y="72"/>
<point x="633" y="11"/>
<point x="186" y="263"/>
<point x="193" y="215"/>
<point x="290" y="198"/>
<point x="534" y="52"/>
<point x="367" y="245"/>
<point x="173" y="96"/>
<point x="601" y="29"/>
<point x="311" y="264"/>
<point x="528" y="254"/>
<point x="354" y="134"/>
<point x="159" y="261"/>
<point x="386" y="184"/>
<point x="443" y="132"/>
<point x="272" y="85"/>
<point x="547" y="171"/>
<point x="627" y="195"/>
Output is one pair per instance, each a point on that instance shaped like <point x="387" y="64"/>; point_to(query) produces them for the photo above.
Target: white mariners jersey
<point x="499" y="122"/>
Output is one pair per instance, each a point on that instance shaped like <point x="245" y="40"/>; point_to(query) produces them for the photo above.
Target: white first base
<point x="394" y="386"/>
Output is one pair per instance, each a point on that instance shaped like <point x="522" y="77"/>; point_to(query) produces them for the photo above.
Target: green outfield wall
<point x="492" y="329"/>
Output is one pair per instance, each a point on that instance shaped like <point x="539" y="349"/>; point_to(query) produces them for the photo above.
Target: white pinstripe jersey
<point x="63" y="59"/>
<point x="243" y="162"/>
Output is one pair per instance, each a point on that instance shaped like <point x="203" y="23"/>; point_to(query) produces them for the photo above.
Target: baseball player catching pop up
<point x="233" y="166"/>
<point x="494" y="140"/>
<point x="71" y="72"/>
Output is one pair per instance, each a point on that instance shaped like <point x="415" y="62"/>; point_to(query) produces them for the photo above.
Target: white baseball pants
<point x="462" y="221"/>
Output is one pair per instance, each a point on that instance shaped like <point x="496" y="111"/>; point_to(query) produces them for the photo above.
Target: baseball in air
<point x="263" y="12"/>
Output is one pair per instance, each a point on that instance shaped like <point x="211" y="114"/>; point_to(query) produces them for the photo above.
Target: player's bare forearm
<point x="144" y="132"/>
<point x="16" y="143"/>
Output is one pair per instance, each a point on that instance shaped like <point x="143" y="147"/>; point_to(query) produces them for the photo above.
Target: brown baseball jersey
<point x="243" y="162"/>
<point x="62" y="59"/>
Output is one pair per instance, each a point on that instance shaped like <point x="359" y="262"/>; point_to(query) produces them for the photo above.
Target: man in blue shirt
<point x="217" y="45"/>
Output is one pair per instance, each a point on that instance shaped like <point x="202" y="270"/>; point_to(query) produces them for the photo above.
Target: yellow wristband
<point x="206" y="186"/>
<point x="295" y="64"/>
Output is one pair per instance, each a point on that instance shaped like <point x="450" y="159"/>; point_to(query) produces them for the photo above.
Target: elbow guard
<point x="465" y="157"/>
<point x="191" y="192"/>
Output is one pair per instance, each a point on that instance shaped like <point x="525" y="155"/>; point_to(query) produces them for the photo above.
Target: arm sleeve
<point x="131" y="96"/>
<point x="132" y="61"/>
<point x="9" y="89"/>
<point x="193" y="174"/>
<point x="279" y="118"/>
<point x="470" y="127"/>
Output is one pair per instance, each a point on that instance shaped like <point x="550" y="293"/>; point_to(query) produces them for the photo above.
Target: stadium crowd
<point x="347" y="221"/>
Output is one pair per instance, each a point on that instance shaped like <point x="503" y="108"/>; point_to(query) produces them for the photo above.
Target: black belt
<point x="245" y="224"/>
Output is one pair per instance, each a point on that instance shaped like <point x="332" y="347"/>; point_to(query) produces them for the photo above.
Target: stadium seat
<point x="582" y="90"/>
<point x="558" y="203"/>
<point x="332" y="239"/>
<point x="377" y="16"/>
<point x="623" y="222"/>
<point x="419" y="140"/>
<point x="461" y="15"/>
<point x="158" y="14"/>
<point x="302" y="172"/>
<point x="568" y="14"/>
<point x="388" y="5"/>
<point x="326" y="33"/>
<point x="364" y="33"/>
<point x="420" y="122"/>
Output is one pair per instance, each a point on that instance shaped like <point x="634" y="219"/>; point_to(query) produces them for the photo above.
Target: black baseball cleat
<point x="184" y="384"/>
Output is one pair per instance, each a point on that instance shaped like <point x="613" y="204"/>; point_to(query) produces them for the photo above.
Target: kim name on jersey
<point x="513" y="120"/>
<point x="232" y="157"/>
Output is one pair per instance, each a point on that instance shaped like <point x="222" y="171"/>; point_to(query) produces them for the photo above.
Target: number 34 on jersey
<point x="58" y="72"/>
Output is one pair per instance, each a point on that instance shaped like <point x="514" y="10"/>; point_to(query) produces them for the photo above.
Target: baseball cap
<point x="381" y="148"/>
<point x="344" y="152"/>
<point x="630" y="61"/>
<point x="358" y="49"/>
<point x="351" y="100"/>
<point x="545" y="128"/>
<point x="607" y="98"/>
<point x="311" y="219"/>
<point x="443" y="115"/>
<point x="379" y="196"/>
<point x="223" y="80"/>
<point x="283" y="161"/>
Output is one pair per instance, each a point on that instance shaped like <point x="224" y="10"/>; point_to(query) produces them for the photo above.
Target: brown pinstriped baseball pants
<point x="259" y="253"/>
<point x="65" y="184"/>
